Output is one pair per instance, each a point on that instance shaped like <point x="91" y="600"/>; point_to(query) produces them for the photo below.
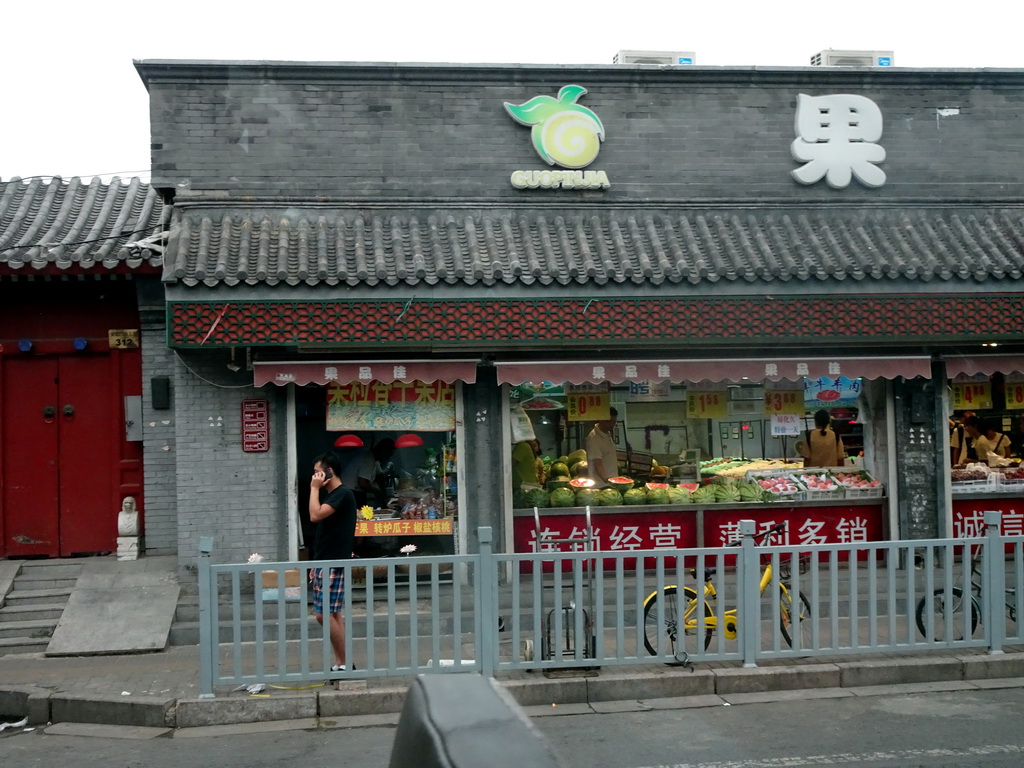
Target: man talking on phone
<point x="333" y="508"/>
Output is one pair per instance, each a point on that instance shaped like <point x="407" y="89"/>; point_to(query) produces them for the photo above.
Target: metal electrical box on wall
<point x="133" y="418"/>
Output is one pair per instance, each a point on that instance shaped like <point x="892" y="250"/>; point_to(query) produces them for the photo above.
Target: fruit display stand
<point x="976" y="489"/>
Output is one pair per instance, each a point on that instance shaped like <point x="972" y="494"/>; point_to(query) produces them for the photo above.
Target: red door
<point x="63" y="429"/>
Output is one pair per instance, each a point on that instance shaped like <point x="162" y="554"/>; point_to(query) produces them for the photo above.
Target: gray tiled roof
<point x="591" y="245"/>
<point x="75" y="224"/>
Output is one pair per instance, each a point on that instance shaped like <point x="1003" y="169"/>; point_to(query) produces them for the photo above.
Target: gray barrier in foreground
<point x="465" y="721"/>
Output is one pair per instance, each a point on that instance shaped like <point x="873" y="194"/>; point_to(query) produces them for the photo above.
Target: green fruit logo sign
<point x="565" y="134"/>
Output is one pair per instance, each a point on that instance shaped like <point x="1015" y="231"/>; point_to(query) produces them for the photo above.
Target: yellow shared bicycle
<point x="662" y="619"/>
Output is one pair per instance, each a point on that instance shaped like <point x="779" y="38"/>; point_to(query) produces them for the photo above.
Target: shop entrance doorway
<point x="62" y="430"/>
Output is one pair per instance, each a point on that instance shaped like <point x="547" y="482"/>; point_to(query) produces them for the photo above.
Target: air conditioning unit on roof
<point x="831" y="58"/>
<point x="658" y="58"/>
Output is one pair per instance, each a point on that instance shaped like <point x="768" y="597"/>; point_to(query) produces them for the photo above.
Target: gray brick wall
<point x="236" y="497"/>
<point x="158" y="446"/>
<point x="362" y="132"/>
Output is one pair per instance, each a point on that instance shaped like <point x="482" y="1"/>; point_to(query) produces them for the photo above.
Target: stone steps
<point x="34" y="605"/>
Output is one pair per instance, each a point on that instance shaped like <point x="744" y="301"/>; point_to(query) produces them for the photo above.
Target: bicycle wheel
<point x="787" y="620"/>
<point x="941" y="606"/>
<point x="661" y="619"/>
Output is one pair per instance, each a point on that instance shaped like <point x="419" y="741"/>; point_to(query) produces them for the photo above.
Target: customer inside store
<point x="821" y="446"/>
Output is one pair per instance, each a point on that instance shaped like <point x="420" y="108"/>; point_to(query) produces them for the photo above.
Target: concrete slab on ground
<point x="105" y="621"/>
<point x="99" y="730"/>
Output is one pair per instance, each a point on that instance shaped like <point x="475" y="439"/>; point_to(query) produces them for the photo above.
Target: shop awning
<point x="985" y="364"/>
<point x="697" y="370"/>
<point x="386" y="371"/>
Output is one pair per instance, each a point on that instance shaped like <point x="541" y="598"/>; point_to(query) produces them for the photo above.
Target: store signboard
<point x="406" y="406"/>
<point x="442" y="527"/>
<point x="588" y="402"/>
<point x="972" y="395"/>
<point x="787" y="401"/>
<point x="831" y="392"/>
<point x="649" y="391"/>
<point x="707" y="405"/>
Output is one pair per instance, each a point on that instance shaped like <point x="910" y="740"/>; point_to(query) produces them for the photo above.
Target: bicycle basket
<point x="786" y="564"/>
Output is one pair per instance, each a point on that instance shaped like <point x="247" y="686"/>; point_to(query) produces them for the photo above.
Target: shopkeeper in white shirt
<point x="602" y="456"/>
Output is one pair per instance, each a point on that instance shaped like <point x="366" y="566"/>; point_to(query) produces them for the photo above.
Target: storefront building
<point x="362" y="253"/>
<point x="81" y="328"/>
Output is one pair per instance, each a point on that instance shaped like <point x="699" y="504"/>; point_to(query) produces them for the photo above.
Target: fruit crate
<point x="798" y="493"/>
<point x="812" y="493"/>
<point x="1012" y="483"/>
<point x="853" y="492"/>
<point x="988" y="485"/>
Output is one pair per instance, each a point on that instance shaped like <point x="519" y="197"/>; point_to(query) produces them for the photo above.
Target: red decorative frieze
<point x="613" y="322"/>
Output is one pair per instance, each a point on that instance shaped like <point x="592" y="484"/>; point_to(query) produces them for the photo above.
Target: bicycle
<point x="658" y="619"/>
<point x="954" y="606"/>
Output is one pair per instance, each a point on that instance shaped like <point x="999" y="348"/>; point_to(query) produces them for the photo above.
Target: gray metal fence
<point x="490" y="612"/>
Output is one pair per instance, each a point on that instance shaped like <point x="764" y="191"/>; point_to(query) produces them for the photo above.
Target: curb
<point x="41" y="706"/>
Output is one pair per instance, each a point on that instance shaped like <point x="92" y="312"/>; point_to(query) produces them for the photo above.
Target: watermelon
<point x="579" y="469"/>
<point x="657" y="495"/>
<point x="635" y="496"/>
<point x="621" y="483"/>
<point x="679" y="496"/>
<point x="608" y="497"/>
<point x="582" y="482"/>
<point x="537" y="497"/>
<point x="751" y="492"/>
<point x="704" y="495"/>
<point x="654" y="486"/>
<point x="563" y="497"/>
<point x="587" y="497"/>
<point x="575" y="456"/>
<point x="727" y="494"/>
<point x="558" y="469"/>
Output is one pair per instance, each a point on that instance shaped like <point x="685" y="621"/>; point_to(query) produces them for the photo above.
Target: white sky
<point x="73" y="104"/>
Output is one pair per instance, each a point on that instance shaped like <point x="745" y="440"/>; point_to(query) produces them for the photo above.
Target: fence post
<point x="993" y="579"/>
<point x="207" y="603"/>
<point x="749" y="594"/>
<point x="486" y="577"/>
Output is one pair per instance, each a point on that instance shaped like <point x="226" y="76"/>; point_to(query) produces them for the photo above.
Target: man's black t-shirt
<point x="335" y="534"/>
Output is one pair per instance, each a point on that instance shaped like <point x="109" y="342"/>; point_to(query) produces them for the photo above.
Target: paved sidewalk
<point x="162" y="689"/>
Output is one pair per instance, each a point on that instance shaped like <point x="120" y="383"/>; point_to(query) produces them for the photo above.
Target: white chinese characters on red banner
<point x="969" y="517"/>
<point x="634" y="531"/>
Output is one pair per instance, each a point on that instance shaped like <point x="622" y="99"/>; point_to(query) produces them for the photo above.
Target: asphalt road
<point x="953" y="728"/>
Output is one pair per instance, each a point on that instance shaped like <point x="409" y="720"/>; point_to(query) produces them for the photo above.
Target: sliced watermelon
<point x="582" y="482"/>
<point x="655" y="486"/>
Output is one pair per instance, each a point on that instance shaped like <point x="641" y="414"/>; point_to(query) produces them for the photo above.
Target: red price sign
<point x="588" y="406"/>
<point x="778" y="401"/>
<point x="1015" y="395"/>
<point x="706" y="405"/>
<point x="255" y="426"/>
<point x="972" y="395"/>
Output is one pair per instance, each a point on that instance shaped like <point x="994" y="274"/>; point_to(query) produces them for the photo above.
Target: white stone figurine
<point x="128" y="518"/>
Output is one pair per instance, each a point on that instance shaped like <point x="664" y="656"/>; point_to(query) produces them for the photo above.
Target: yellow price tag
<point x="972" y="395"/>
<point x="588" y="406"/>
<point x="789" y="401"/>
<point x="1015" y="396"/>
<point x="706" y="405"/>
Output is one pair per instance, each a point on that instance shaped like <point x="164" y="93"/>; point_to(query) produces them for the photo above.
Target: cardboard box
<point x="291" y="585"/>
<point x="291" y="578"/>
